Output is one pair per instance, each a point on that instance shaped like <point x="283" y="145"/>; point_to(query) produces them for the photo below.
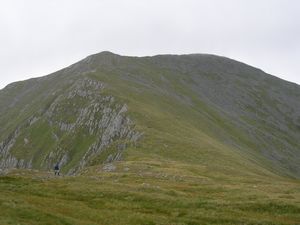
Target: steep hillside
<point x="198" y="109"/>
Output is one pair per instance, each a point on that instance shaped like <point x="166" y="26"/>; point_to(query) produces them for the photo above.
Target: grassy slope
<point x="182" y="172"/>
<point x="21" y="100"/>
<point x="190" y="130"/>
<point x="148" y="192"/>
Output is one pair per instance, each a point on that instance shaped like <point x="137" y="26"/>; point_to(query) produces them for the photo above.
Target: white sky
<point x="38" y="37"/>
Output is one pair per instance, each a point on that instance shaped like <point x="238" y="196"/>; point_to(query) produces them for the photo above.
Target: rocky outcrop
<point x="81" y="110"/>
<point x="114" y="126"/>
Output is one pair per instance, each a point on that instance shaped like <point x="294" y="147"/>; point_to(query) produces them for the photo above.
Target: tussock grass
<point x="147" y="192"/>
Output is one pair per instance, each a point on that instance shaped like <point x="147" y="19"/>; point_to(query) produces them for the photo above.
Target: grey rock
<point x="109" y="167"/>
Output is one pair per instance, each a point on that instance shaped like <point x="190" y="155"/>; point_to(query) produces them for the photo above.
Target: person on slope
<point x="56" y="169"/>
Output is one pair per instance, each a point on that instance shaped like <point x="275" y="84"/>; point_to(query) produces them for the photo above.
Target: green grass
<point x="148" y="192"/>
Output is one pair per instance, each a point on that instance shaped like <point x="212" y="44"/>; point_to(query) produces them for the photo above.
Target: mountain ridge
<point x="152" y="56"/>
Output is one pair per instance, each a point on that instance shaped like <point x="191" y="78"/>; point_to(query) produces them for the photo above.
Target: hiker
<point x="56" y="170"/>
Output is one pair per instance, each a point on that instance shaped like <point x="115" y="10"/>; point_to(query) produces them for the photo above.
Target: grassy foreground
<point x="148" y="192"/>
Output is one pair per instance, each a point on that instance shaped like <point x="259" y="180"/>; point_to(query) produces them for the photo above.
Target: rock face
<point x="77" y="125"/>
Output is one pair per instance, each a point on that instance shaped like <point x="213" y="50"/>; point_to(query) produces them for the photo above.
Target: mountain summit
<point x="199" y="109"/>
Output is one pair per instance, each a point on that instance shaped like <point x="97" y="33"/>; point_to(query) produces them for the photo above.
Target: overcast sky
<point x="38" y="37"/>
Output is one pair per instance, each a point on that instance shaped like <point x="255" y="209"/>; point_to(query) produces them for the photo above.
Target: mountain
<point x="203" y="109"/>
<point x="168" y="139"/>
